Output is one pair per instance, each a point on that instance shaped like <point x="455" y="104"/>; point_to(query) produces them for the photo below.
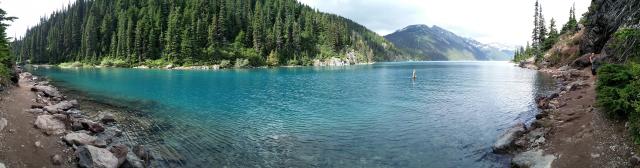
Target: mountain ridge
<point x="422" y="42"/>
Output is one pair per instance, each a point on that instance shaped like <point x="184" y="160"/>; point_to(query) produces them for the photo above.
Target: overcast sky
<point x="29" y="12"/>
<point x="504" y="21"/>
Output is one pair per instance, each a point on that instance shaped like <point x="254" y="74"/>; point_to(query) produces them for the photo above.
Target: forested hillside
<point x="197" y="32"/>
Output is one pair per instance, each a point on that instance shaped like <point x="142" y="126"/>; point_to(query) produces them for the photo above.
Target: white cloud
<point x="504" y="21"/>
<point x="29" y="13"/>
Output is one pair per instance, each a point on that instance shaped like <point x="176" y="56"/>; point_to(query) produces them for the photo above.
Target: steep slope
<point x="196" y="32"/>
<point x="435" y="43"/>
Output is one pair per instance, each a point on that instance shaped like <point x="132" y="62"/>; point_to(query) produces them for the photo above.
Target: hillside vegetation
<point x="197" y="32"/>
<point x="610" y="34"/>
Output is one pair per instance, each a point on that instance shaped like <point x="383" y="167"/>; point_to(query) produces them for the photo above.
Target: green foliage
<point x="625" y="45"/>
<point x="618" y="93"/>
<point x="242" y="63"/>
<point x="225" y="64"/>
<point x="158" y="63"/>
<point x="76" y="64"/>
<point x="194" y="32"/>
<point x="113" y="62"/>
<point x="6" y="57"/>
<point x="272" y="59"/>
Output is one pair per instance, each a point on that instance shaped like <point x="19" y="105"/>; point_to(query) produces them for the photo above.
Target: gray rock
<point x="101" y="143"/>
<point x="634" y="160"/>
<point x="47" y="90"/>
<point x="94" y="157"/>
<point x="3" y="123"/>
<point x="107" y="117"/>
<point x="109" y="134"/>
<point x="50" y="124"/>
<point x="35" y="111"/>
<point x="532" y="159"/>
<point x="61" y="107"/>
<point x="506" y="140"/>
<point x="76" y="126"/>
<point x="132" y="161"/>
<point x="79" y="138"/>
<point x="57" y="160"/>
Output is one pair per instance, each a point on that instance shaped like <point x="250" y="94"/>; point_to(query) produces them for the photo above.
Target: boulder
<point x="582" y="62"/>
<point x="506" y="141"/>
<point x="96" y="128"/>
<point x="120" y="151"/>
<point x="47" y="90"/>
<point x="79" y="138"/>
<point x="94" y="157"/>
<point x="50" y="124"/>
<point x="61" y="107"/>
<point x="532" y="159"/>
<point x="3" y="123"/>
<point x="91" y="126"/>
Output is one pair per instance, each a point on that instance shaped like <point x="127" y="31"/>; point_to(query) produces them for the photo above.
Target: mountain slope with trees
<point x="435" y="43"/>
<point x="198" y="32"/>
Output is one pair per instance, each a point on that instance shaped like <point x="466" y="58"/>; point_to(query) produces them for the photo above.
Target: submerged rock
<point x="506" y="140"/>
<point x="94" y="157"/>
<point x="50" y="124"/>
<point x="132" y="161"/>
<point x="79" y="139"/>
<point x="532" y="159"/>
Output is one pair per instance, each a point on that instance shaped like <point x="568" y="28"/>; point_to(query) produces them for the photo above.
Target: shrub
<point x="618" y="93"/>
<point x="242" y="63"/>
<point x="225" y="64"/>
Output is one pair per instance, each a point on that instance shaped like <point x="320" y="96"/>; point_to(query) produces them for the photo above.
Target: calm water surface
<point x="357" y="116"/>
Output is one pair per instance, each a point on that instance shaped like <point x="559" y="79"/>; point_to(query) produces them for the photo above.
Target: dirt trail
<point x="18" y="139"/>
<point x="582" y="136"/>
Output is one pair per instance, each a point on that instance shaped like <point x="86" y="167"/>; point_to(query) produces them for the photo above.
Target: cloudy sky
<point x="29" y="12"/>
<point x="503" y="21"/>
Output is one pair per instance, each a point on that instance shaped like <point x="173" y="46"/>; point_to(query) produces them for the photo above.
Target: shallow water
<point x="357" y="116"/>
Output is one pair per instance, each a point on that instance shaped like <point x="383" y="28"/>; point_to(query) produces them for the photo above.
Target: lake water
<point x="355" y="116"/>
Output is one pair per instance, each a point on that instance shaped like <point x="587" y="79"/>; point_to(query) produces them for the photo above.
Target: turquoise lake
<point x="354" y="116"/>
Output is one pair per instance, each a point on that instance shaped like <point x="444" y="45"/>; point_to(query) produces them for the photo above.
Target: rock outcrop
<point x="506" y="141"/>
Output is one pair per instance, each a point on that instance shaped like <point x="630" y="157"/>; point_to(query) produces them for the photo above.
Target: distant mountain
<point x="434" y="43"/>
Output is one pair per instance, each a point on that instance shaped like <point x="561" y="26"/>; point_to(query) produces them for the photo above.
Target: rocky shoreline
<point x="567" y="119"/>
<point x="97" y="143"/>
